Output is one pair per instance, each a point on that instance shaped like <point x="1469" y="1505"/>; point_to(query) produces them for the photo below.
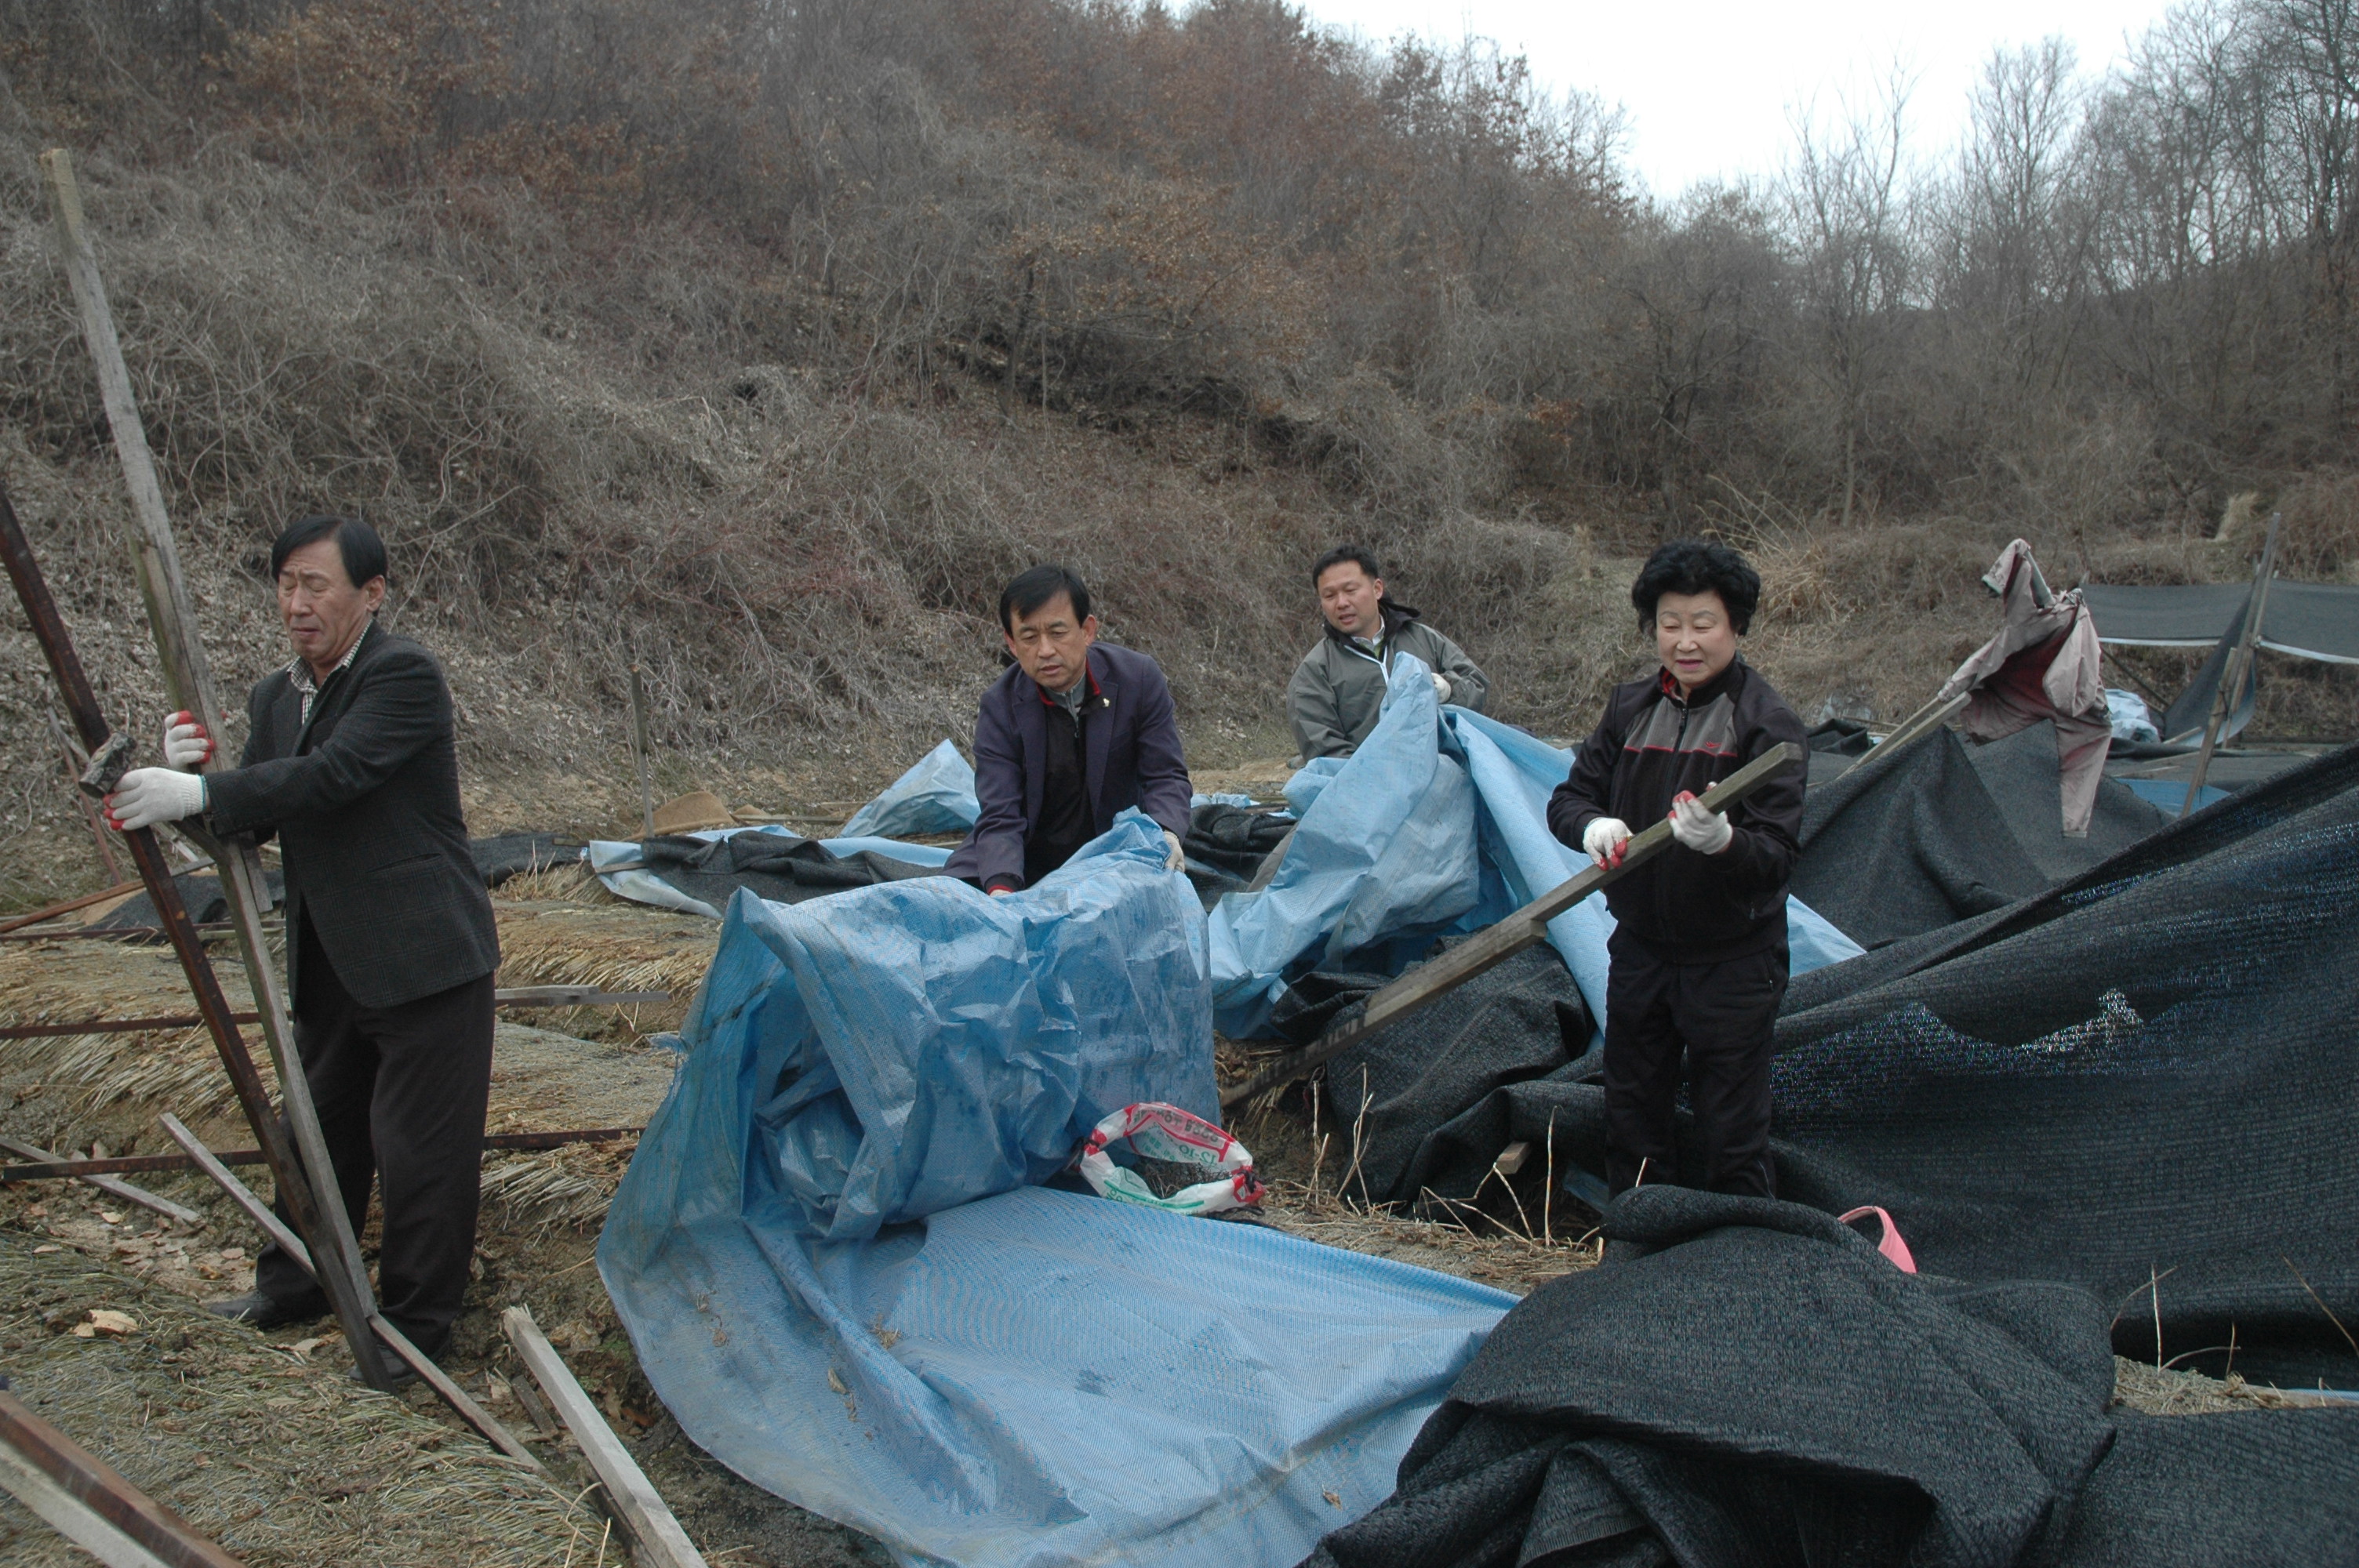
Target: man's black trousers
<point x="401" y="1093"/>
<point x="1720" y="1018"/>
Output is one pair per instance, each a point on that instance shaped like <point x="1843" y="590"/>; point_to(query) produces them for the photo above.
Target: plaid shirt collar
<point x="298" y="674"/>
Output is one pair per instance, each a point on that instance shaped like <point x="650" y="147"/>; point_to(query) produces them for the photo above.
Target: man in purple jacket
<point x="1069" y="738"/>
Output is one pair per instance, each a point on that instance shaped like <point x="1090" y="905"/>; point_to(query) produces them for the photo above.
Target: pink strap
<point x="1895" y="1251"/>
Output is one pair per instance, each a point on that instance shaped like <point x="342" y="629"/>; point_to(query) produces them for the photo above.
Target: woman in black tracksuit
<point x="1699" y="947"/>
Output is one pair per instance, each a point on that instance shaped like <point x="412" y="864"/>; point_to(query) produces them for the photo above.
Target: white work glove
<point x="1441" y="689"/>
<point x="1604" y="839"/>
<point x="1705" y="832"/>
<point x="150" y="795"/>
<point x="187" y="746"/>
<point x="1175" y="859"/>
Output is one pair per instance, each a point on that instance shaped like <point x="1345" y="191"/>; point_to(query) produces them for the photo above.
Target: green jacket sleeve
<point x="1469" y="687"/>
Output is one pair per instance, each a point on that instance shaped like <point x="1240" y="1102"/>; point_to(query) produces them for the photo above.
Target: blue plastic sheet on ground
<point x="1437" y="824"/>
<point x="615" y="861"/>
<point x="2171" y="793"/>
<point x="935" y="796"/>
<point x="1035" y="1377"/>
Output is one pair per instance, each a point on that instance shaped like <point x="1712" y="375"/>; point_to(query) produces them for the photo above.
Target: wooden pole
<point x="642" y="748"/>
<point x="657" y="1541"/>
<point x="2240" y="663"/>
<point x="1525" y="928"/>
<point x="108" y="1183"/>
<point x="188" y="682"/>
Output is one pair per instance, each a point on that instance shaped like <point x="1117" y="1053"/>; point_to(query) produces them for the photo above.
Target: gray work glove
<point x="187" y="746"/>
<point x="150" y="795"/>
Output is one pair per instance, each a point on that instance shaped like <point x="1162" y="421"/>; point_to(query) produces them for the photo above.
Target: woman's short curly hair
<point x="1697" y="566"/>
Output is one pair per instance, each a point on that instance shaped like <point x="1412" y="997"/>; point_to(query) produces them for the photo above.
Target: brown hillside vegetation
<point x="761" y="343"/>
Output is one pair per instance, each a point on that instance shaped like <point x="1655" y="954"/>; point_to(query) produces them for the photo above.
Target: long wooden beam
<point x="189" y="681"/>
<point x="1525" y="928"/>
<point x="656" y="1539"/>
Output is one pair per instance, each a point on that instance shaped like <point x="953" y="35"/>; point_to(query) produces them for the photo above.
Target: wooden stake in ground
<point x="188" y="682"/>
<point x="1525" y="928"/>
<point x="656" y="1539"/>
<point x="89" y="1504"/>
<point x="2240" y="663"/>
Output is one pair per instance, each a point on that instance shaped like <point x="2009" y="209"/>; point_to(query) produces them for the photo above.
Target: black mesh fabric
<point x="1403" y="1093"/>
<point x="1944" y="830"/>
<point x="777" y="867"/>
<point x="1749" y="1382"/>
<point x="2140" y="1081"/>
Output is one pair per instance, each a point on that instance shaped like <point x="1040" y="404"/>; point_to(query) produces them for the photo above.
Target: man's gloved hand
<point x="1705" y="832"/>
<point x="1175" y="859"/>
<point x="1604" y="839"/>
<point x="187" y="746"/>
<point x="150" y="795"/>
<point x="1441" y="689"/>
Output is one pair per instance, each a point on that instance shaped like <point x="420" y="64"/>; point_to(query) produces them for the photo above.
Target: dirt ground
<point x="264" y="1442"/>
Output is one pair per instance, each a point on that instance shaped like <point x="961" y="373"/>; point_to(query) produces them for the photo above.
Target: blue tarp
<point x="935" y="796"/>
<point x="1036" y="1378"/>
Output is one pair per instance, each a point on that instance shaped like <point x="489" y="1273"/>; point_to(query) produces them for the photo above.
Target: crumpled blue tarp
<point x="1385" y="845"/>
<point x="2129" y="716"/>
<point x="923" y="1044"/>
<point x="1032" y="1379"/>
<point x="935" y="796"/>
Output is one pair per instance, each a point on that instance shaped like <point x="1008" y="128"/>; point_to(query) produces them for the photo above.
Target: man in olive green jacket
<point x="1338" y="690"/>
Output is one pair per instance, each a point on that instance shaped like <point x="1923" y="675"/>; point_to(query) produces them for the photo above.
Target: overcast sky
<point x="1709" y="85"/>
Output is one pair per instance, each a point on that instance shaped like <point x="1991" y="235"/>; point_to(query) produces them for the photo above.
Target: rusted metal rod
<point x="126" y="1164"/>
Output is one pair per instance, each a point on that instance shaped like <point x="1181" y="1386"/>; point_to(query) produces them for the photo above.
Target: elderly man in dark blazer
<point x="1075" y="732"/>
<point x="391" y="949"/>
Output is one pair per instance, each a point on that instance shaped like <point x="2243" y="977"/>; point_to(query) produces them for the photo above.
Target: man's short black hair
<point x="356" y="543"/>
<point x="1357" y="555"/>
<point x="1697" y="566"/>
<point x="1033" y="588"/>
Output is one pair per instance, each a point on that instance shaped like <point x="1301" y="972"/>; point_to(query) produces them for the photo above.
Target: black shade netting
<point x="1745" y="1382"/>
<point x="1896" y="847"/>
<point x="1406" y="1095"/>
<point x="201" y="895"/>
<point x="775" y="866"/>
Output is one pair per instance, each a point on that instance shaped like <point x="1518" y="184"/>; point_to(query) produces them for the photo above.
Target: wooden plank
<point x="1497" y="943"/>
<point x="66" y="906"/>
<point x="154" y="1533"/>
<point x="458" y="1399"/>
<point x="189" y="684"/>
<point x="1511" y="1159"/>
<point x="115" y="1184"/>
<point x="55" y="1169"/>
<point x="2240" y="663"/>
<point x="656" y="1539"/>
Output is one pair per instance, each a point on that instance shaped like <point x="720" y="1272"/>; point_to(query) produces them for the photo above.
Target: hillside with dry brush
<point x="760" y="344"/>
